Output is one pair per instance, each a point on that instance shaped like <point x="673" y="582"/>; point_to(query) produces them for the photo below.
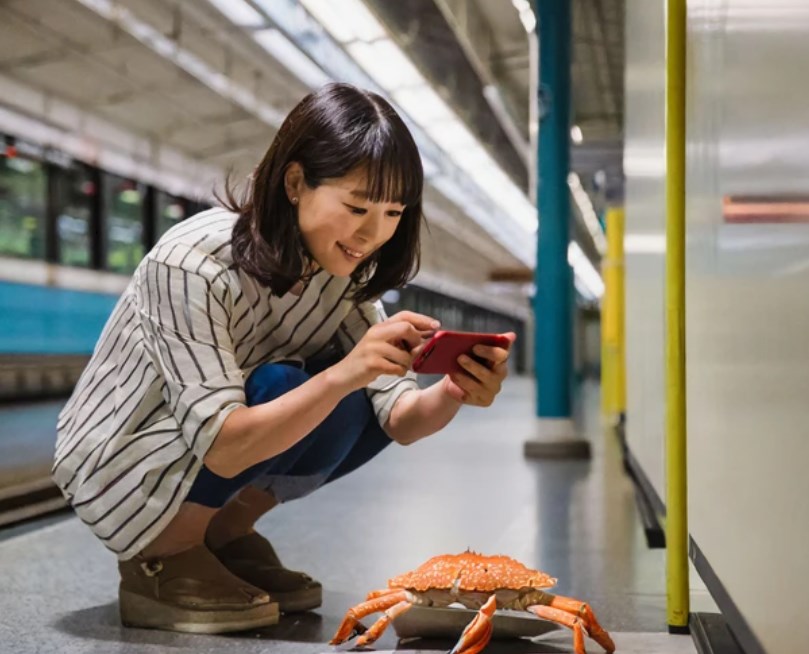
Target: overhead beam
<point x="477" y="41"/>
<point x="514" y="275"/>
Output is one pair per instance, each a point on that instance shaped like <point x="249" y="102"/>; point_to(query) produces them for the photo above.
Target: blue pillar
<point x="554" y="282"/>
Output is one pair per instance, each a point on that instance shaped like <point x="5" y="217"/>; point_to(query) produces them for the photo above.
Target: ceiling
<point x="164" y="84"/>
<point x="497" y="47"/>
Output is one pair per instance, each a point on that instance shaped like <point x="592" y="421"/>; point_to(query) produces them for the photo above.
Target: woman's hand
<point x="480" y="383"/>
<point x="385" y="349"/>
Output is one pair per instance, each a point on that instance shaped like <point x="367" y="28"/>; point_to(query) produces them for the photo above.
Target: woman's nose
<point x="369" y="230"/>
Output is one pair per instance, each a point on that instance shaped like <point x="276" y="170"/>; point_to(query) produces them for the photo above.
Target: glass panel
<point x="75" y="191"/>
<point x="170" y="211"/>
<point x="22" y="207"/>
<point x="123" y="224"/>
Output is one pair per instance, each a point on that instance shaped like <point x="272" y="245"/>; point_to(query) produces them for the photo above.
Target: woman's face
<point x="340" y="227"/>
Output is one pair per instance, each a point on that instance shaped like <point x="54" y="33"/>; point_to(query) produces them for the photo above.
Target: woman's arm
<point x="250" y="435"/>
<point x="421" y="413"/>
<point x="417" y="414"/>
<point x="253" y="434"/>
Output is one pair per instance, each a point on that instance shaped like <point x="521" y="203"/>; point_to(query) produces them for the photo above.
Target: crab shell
<point x="471" y="572"/>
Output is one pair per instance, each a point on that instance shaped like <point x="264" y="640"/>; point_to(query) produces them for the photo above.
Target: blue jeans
<point x="348" y="437"/>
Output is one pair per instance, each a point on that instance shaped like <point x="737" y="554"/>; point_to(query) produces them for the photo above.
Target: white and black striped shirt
<point x="170" y="366"/>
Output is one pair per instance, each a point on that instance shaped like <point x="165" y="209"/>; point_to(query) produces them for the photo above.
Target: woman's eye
<point x="394" y="214"/>
<point x="357" y="211"/>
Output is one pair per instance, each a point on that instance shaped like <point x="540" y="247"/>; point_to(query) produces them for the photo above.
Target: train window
<point x="22" y="207"/>
<point x="123" y="223"/>
<point x="170" y="211"/>
<point x="75" y="190"/>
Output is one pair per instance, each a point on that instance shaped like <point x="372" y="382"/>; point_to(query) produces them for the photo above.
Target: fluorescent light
<point x="584" y="270"/>
<point x="239" y="12"/>
<point x="430" y="167"/>
<point x="453" y="136"/>
<point x="386" y="63"/>
<point x="576" y="134"/>
<point x="587" y="212"/>
<point x="290" y="56"/>
<point x="423" y="104"/>
<point x="527" y="17"/>
<point x="644" y="243"/>
<point x="346" y="21"/>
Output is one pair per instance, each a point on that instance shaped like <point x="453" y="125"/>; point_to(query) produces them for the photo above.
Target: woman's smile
<point x="353" y="255"/>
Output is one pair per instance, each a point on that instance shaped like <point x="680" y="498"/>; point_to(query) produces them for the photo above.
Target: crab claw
<point x="478" y="632"/>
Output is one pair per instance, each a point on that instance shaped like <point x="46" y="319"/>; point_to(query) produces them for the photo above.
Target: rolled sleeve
<point x="385" y="390"/>
<point x="185" y="311"/>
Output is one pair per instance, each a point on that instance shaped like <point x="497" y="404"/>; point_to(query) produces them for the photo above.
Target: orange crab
<point x="478" y="582"/>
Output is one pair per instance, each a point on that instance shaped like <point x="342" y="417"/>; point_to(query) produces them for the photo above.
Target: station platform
<point x="466" y="487"/>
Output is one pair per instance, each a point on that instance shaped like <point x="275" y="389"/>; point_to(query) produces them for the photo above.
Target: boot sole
<point x="296" y="601"/>
<point x="146" y="613"/>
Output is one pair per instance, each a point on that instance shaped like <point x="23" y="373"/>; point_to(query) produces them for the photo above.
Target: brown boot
<point x="190" y="591"/>
<point x="253" y="559"/>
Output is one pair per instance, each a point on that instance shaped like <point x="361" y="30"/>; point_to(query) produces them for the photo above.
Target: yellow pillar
<point x="613" y="375"/>
<point x="676" y="488"/>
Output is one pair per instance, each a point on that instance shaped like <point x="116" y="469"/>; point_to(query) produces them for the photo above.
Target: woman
<point x="248" y="364"/>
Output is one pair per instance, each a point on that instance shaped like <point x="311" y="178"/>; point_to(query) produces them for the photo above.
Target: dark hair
<point x="330" y="133"/>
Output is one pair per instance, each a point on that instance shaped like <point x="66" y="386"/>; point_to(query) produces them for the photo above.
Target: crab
<point x="478" y="582"/>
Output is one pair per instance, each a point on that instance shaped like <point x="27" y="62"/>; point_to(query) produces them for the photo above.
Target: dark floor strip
<point x="733" y="616"/>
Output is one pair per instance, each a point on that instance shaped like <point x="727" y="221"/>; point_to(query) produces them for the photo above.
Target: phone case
<point x="440" y="355"/>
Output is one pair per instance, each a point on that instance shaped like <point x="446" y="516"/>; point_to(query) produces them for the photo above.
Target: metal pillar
<point x="553" y="303"/>
<point x="613" y="375"/>
<point x="677" y="583"/>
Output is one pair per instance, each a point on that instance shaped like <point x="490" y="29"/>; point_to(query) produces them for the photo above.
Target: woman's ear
<point x="293" y="182"/>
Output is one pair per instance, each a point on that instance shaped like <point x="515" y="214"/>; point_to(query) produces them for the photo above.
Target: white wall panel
<point x="747" y="294"/>
<point x="748" y="310"/>
<point x="644" y="164"/>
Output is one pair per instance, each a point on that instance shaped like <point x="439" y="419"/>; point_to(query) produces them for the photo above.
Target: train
<point x="71" y="233"/>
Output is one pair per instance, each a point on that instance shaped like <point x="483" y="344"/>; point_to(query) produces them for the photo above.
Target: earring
<point x="294" y="200"/>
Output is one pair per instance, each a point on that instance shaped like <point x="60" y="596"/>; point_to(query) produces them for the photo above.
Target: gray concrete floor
<point x="467" y="487"/>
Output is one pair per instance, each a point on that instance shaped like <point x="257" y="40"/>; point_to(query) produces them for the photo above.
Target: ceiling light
<point x="239" y="12"/>
<point x="290" y="56"/>
<point x="386" y="63"/>
<point x="347" y="20"/>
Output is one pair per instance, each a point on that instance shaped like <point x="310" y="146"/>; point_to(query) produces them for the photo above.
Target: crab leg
<point x="478" y="632"/>
<point x="378" y="628"/>
<point x="355" y="614"/>
<point x="583" y="610"/>
<point x="563" y="618"/>
<point x="381" y="593"/>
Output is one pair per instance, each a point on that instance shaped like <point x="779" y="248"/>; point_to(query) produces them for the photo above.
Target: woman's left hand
<point x="479" y="383"/>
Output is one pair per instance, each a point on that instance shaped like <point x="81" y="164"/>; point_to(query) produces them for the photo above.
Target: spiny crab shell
<point x="472" y="572"/>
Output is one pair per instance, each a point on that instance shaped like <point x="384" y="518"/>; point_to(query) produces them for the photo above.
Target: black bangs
<point x="394" y="171"/>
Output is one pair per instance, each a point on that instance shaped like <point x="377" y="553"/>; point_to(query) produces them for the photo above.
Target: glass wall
<point x="22" y="206"/>
<point x="74" y="199"/>
<point x="124" y="201"/>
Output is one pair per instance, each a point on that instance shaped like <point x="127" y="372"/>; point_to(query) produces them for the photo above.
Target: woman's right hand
<point x="385" y="349"/>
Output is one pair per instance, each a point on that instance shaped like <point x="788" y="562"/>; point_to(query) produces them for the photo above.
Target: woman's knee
<point x="271" y="380"/>
<point x="355" y="407"/>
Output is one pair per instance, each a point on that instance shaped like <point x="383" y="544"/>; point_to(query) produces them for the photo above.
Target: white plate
<point x="429" y="622"/>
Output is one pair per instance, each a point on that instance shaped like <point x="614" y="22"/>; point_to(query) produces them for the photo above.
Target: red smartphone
<point x="440" y="354"/>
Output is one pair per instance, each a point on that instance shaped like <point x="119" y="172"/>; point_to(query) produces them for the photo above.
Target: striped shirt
<point x="170" y="366"/>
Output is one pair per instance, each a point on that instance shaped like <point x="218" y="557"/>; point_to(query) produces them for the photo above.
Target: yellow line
<point x="676" y="488"/>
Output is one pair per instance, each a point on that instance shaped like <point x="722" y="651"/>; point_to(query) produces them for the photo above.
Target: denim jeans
<point x="346" y="439"/>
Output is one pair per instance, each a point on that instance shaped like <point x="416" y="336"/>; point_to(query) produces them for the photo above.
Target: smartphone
<point x="440" y="354"/>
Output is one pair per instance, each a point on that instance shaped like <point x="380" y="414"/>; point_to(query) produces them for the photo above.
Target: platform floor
<point x="467" y="487"/>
